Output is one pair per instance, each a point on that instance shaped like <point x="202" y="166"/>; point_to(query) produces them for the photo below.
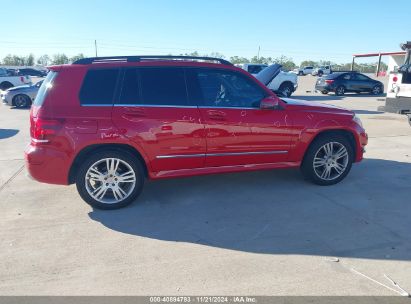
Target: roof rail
<point x="91" y="60"/>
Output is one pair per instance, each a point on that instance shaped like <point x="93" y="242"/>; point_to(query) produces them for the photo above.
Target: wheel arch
<point x="85" y="152"/>
<point x="7" y="83"/>
<point x="21" y="94"/>
<point x="349" y="135"/>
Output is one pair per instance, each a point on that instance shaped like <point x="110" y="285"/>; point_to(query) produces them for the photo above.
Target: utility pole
<point x="95" y="46"/>
<point x="258" y="54"/>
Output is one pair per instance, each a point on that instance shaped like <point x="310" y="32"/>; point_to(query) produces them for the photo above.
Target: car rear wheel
<point x="5" y="85"/>
<point x="110" y="179"/>
<point x="286" y="89"/>
<point x="21" y="101"/>
<point x="301" y="73"/>
<point x="376" y="90"/>
<point x="324" y="92"/>
<point x="340" y="91"/>
<point x="320" y="74"/>
<point x="328" y="160"/>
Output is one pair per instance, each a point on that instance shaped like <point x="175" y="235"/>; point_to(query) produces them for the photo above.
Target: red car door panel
<point x="169" y="128"/>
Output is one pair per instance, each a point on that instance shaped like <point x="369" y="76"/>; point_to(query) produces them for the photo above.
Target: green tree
<point x="29" y="60"/>
<point x="77" y="57"/>
<point x="238" y="60"/>
<point x="44" y="60"/>
<point x="261" y="60"/>
<point x="60" y="59"/>
<point x="309" y="63"/>
<point x="287" y="63"/>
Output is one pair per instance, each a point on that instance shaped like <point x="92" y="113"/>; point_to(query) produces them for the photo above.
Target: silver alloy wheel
<point x="340" y="90"/>
<point x="331" y="161"/>
<point x="20" y="101"/>
<point x="376" y="90"/>
<point x="110" y="180"/>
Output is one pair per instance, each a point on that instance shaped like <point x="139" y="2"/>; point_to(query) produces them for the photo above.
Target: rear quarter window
<point x="99" y="87"/>
<point x="46" y="86"/>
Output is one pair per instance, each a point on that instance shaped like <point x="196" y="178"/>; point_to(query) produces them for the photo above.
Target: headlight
<point x="357" y="120"/>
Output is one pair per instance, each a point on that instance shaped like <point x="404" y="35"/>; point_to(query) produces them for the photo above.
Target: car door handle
<point x="216" y="115"/>
<point x="134" y="112"/>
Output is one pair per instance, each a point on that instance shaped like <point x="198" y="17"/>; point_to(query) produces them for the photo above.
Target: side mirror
<point x="270" y="103"/>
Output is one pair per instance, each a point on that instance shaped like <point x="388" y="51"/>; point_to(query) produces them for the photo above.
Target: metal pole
<point x="95" y="46"/>
<point x="352" y="64"/>
<point x="379" y="64"/>
<point x="258" y="54"/>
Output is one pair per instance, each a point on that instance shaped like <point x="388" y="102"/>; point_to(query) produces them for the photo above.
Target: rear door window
<point x="163" y="86"/>
<point x="99" y="87"/>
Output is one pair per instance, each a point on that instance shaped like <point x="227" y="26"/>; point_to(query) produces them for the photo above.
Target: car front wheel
<point x="328" y="160"/>
<point x="286" y="89"/>
<point x="376" y="90"/>
<point x="110" y="179"/>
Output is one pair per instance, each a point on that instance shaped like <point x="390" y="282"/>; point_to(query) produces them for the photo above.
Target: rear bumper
<point x="47" y="165"/>
<point x="322" y="88"/>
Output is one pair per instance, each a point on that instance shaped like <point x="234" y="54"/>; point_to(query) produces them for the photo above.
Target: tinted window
<point x="255" y="69"/>
<point x="45" y="87"/>
<point x="163" y="86"/>
<point x="308" y="68"/>
<point x="346" y="76"/>
<point x="361" y="77"/>
<point x="130" y="92"/>
<point x="98" y="87"/>
<point x="220" y="88"/>
<point x="335" y="75"/>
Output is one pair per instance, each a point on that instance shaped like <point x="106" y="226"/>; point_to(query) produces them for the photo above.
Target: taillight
<point x="329" y="81"/>
<point x="395" y="79"/>
<point x="42" y="130"/>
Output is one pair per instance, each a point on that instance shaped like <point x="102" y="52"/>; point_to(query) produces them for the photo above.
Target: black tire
<point x="307" y="167"/>
<point x="324" y="92"/>
<point x="340" y="91"/>
<point x="5" y="85"/>
<point x="301" y="73"/>
<point x="320" y="73"/>
<point x="377" y="90"/>
<point x="21" y="101"/>
<point x="286" y="89"/>
<point x="130" y="159"/>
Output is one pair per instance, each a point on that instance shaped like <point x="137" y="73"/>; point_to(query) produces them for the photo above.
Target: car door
<point x="363" y="82"/>
<point x="237" y="132"/>
<point x="153" y="110"/>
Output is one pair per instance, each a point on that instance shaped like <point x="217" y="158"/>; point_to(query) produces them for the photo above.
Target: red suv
<point x="109" y="123"/>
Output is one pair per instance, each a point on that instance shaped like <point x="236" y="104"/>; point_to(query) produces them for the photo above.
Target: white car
<point x="284" y="83"/>
<point x="304" y="70"/>
<point x="7" y="80"/>
<point x="322" y="70"/>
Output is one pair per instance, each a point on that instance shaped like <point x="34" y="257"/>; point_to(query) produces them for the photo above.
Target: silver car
<point x="21" y="96"/>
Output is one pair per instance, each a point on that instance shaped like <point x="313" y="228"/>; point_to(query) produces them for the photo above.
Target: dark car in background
<point x="32" y="72"/>
<point x="343" y="82"/>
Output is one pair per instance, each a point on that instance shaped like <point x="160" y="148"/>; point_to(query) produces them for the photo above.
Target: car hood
<point x="23" y="87"/>
<point x="316" y="106"/>
<point x="269" y="73"/>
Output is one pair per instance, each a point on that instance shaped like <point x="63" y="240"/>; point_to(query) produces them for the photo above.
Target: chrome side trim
<point x="136" y="105"/>
<point x="247" y="153"/>
<point x="180" y="156"/>
<point x="153" y="106"/>
<point x="221" y="154"/>
<point x="232" y="108"/>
